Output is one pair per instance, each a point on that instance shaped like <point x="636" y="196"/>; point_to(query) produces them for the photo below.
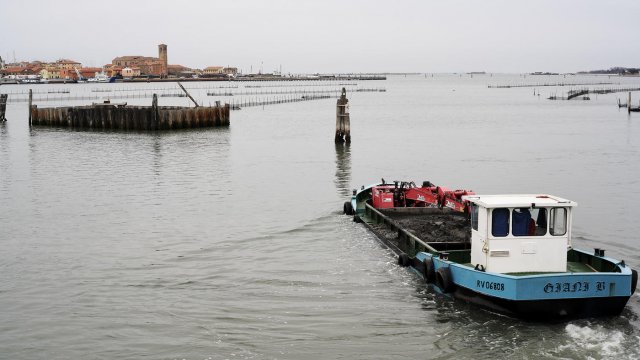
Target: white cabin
<point x="520" y="233"/>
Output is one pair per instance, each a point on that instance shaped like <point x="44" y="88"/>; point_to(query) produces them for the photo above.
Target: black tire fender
<point x="429" y="271"/>
<point x="347" y="208"/>
<point x="444" y="280"/>
<point x="634" y="281"/>
<point x="403" y="260"/>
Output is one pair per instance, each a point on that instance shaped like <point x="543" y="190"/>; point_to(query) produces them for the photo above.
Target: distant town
<point x="136" y="68"/>
<point x="121" y="67"/>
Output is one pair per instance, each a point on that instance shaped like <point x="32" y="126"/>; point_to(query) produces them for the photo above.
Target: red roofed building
<point x="156" y="66"/>
<point x="112" y="70"/>
<point x="86" y="73"/>
<point x="67" y="64"/>
<point x="18" y="70"/>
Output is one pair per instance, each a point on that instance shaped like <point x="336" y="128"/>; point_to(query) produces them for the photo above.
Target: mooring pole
<point x="154" y="110"/>
<point x="3" y="106"/>
<point x="343" y="126"/>
<point x="629" y="103"/>
<point x="30" y="101"/>
<point x="189" y="95"/>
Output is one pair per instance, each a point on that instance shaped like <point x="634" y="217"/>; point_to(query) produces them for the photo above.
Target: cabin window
<point x="521" y="220"/>
<point x="529" y="222"/>
<point x="474" y="216"/>
<point x="540" y="217"/>
<point x="558" y="221"/>
<point x="500" y="222"/>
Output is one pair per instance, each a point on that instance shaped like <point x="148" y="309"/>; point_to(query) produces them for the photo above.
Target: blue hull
<point x="556" y="296"/>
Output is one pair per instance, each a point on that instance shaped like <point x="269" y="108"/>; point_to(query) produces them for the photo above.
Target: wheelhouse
<point x="520" y="233"/>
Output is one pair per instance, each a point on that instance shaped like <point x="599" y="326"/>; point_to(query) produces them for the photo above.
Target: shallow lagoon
<point x="230" y="242"/>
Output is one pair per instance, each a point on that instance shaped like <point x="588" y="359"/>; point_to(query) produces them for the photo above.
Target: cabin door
<point x="479" y="230"/>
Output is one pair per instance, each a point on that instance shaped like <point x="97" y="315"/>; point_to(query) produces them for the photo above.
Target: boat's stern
<point x="541" y="296"/>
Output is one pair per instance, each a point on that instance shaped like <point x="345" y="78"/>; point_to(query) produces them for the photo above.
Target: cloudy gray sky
<point x="326" y="36"/>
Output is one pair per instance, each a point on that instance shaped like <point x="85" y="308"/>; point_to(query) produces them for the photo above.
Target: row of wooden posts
<point x="508" y="86"/>
<point x="113" y="116"/>
<point x="96" y="97"/>
<point x="288" y="92"/>
<point x="628" y="105"/>
<point x="248" y="102"/>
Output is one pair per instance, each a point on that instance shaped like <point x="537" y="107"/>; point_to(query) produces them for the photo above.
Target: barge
<point x="511" y="254"/>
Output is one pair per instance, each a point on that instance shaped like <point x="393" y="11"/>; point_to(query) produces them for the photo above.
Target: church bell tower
<point x="162" y="55"/>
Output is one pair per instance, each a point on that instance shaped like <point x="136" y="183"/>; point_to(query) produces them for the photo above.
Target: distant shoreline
<point x="219" y="79"/>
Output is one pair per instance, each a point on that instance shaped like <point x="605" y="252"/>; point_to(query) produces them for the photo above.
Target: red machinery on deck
<point x="407" y="194"/>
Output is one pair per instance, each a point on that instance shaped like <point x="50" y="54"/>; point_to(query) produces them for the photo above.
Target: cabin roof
<point x="518" y="200"/>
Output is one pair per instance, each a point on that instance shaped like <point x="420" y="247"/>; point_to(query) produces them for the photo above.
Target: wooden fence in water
<point x="248" y="102"/>
<point x="129" y="118"/>
<point x="576" y="93"/>
<point x="305" y="92"/>
<point x="98" y="97"/>
<point x="508" y="86"/>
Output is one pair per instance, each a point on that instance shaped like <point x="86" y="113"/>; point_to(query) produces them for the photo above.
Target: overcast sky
<point x="326" y="36"/>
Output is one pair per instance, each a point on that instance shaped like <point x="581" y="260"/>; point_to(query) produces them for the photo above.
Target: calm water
<point x="230" y="243"/>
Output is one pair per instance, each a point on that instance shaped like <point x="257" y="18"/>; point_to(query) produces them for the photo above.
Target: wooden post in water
<point x="343" y="123"/>
<point x="629" y="103"/>
<point x="30" y="101"/>
<point x="186" y="92"/>
<point x="3" y="106"/>
<point x="154" y="110"/>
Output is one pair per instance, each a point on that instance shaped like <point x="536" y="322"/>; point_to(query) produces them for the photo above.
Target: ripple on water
<point x="598" y="341"/>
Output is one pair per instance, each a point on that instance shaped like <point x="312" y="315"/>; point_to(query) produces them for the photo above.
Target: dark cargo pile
<point x="429" y="227"/>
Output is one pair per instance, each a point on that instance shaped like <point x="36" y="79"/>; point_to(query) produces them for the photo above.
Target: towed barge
<point x="510" y="254"/>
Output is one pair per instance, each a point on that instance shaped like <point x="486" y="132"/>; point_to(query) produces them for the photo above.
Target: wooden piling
<point x="343" y="123"/>
<point x="30" y="101"/>
<point x="629" y="103"/>
<point x="154" y="110"/>
<point x="3" y="106"/>
<point x="186" y="92"/>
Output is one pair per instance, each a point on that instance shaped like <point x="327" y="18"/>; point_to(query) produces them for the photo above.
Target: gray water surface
<point x="229" y="243"/>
